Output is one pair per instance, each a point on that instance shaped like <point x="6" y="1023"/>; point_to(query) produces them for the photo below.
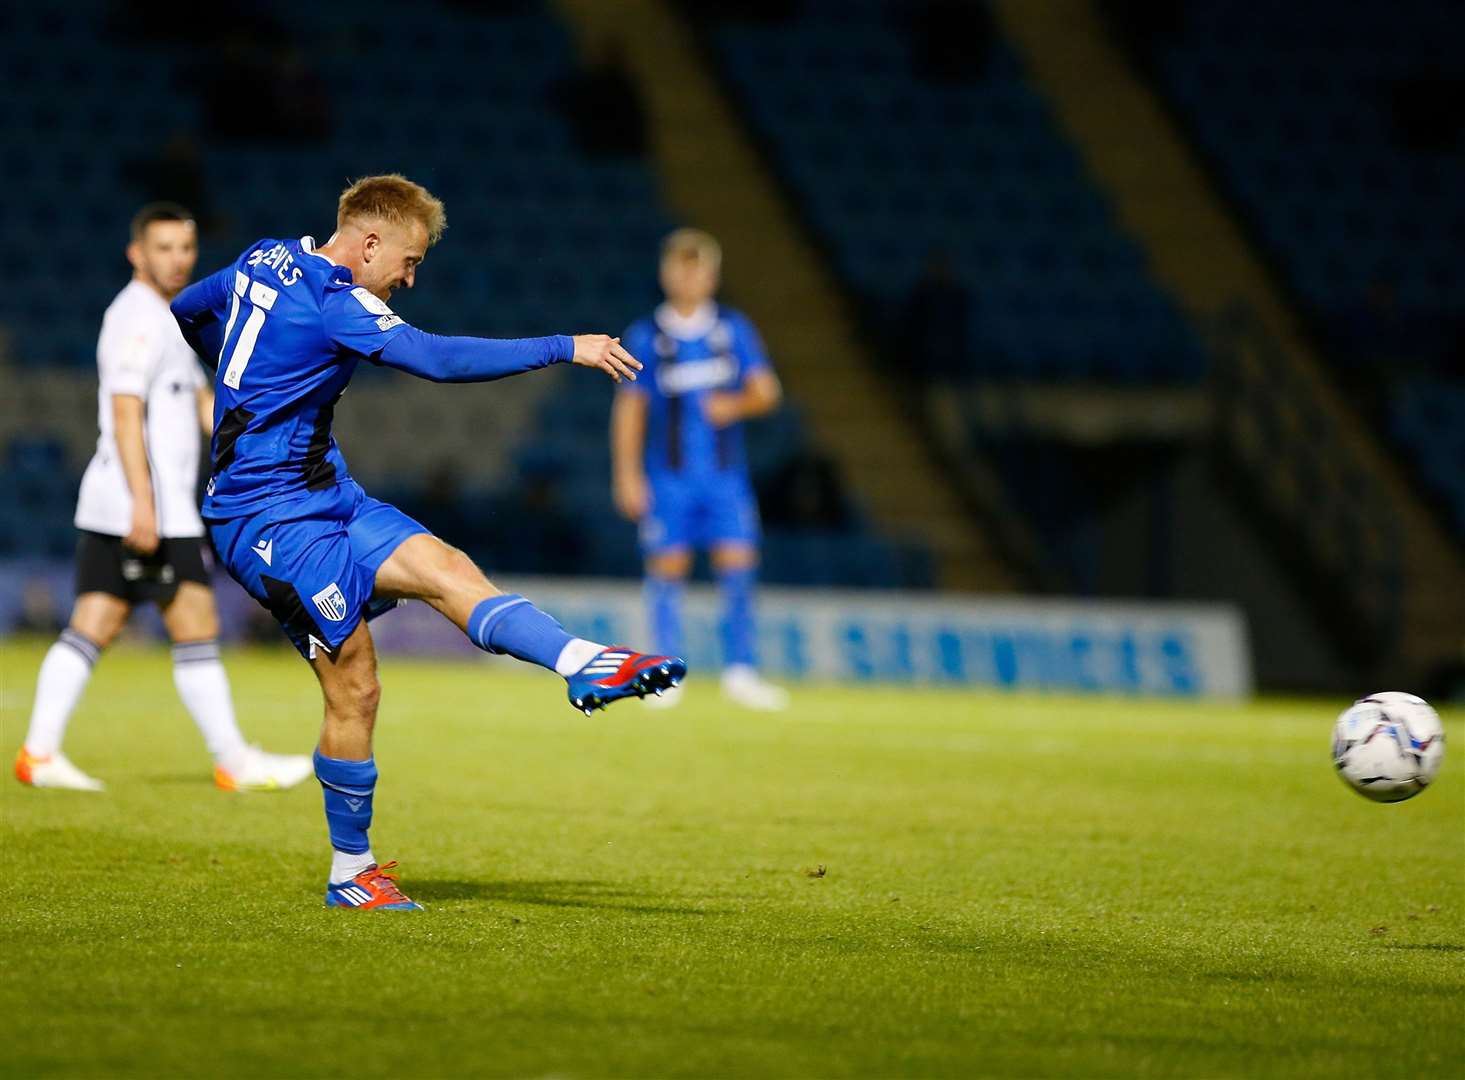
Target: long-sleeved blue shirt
<point x="287" y="328"/>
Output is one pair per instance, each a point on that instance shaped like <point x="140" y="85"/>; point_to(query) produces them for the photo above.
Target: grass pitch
<point x="879" y="882"/>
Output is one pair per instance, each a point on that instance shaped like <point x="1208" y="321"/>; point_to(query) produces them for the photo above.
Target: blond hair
<point x="393" y="198"/>
<point x="693" y="244"/>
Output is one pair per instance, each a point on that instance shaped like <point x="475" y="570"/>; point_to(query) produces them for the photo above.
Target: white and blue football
<point x="1388" y="746"/>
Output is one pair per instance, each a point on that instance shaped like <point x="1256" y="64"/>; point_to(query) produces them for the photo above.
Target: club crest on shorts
<point x="330" y="603"/>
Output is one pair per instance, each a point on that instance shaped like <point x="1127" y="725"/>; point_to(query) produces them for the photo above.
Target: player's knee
<point x="368" y="695"/>
<point x="349" y="682"/>
<point x="191" y="620"/>
<point x="364" y="687"/>
<point x="99" y="632"/>
<point x="735" y="557"/>
<point x="357" y="696"/>
<point x="99" y="623"/>
<point x="673" y="564"/>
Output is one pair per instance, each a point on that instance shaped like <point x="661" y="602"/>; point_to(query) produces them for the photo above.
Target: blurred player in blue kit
<point x="679" y="469"/>
<point x="288" y="322"/>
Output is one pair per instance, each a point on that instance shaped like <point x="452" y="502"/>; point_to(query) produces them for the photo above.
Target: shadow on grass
<point x="1426" y="946"/>
<point x="563" y="894"/>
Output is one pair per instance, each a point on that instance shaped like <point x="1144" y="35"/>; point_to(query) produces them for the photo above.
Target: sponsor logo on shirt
<point x="386" y="322"/>
<point x="370" y="301"/>
<point x="689" y="376"/>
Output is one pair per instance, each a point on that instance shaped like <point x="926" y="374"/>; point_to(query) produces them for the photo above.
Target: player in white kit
<point x="141" y="535"/>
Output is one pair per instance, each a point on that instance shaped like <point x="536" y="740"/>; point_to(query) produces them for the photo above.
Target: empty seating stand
<point x="893" y="170"/>
<point x="1335" y="128"/>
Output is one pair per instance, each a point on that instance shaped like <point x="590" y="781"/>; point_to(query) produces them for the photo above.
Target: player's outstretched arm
<point x="470" y="359"/>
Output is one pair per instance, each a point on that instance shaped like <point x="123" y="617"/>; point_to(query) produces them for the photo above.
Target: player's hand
<point x="722" y="408"/>
<point x="632" y="497"/>
<point x="605" y="353"/>
<point x="143" y="536"/>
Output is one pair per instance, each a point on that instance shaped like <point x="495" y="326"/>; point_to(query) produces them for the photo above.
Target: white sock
<point x="345" y="866"/>
<point x="204" y="688"/>
<point x="576" y="655"/>
<point x="63" y="676"/>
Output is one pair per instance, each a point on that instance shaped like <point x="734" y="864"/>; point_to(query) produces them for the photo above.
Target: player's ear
<point x="370" y="243"/>
<point x="134" y="255"/>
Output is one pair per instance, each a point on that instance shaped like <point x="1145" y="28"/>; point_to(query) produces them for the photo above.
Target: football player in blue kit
<point x="288" y="322"/>
<point x="678" y="463"/>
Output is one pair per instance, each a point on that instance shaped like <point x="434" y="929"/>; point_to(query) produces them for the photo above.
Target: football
<point x="1388" y="746"/>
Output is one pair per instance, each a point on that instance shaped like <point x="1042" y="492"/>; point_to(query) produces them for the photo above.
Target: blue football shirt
<point x="686" y="358"/>
<point x="288" y="328"/>
<point x="294" y="327"/>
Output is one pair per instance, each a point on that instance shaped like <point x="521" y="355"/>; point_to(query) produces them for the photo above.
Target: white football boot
<point x="53" y="771"/>
<point x="264" y="772"/>
<point x="742" y="685"/>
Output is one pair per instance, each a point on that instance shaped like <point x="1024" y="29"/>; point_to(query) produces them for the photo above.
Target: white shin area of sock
<point x="204" y="687"/>
<point x="345" y="866"/>
<point x="576" y="655"/>
<point x="63" y="676"/>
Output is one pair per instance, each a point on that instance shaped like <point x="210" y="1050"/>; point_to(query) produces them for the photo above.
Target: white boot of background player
<point x="53" y="771"/>
<point x="742" y="685"/>
<point x="256" y="770"/>
<point x="668" y="699"/>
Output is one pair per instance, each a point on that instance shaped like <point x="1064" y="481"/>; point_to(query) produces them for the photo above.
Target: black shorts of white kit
<point x="104" y="565"/>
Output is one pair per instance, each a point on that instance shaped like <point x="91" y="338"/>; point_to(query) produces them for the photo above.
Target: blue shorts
<point x="699" y="512"/>
<point x="312" y="562"/>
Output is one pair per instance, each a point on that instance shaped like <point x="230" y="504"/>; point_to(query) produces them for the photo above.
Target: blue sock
<point x="510" y="624"/>
<point x="664" y="612"/>
<point x="348" y="786"/>
<point x="739" y="634"/>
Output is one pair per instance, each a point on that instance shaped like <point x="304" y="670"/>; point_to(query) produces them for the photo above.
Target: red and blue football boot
<point x="372" y="889"/>
<point x="619" y="672"/>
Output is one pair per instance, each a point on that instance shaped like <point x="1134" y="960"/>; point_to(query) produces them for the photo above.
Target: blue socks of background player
<point x="348" y="787"/>
<point x="739" y="634"/>
<point x="664" y="611"/>
<point x="511" y="624"/>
